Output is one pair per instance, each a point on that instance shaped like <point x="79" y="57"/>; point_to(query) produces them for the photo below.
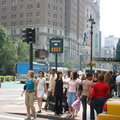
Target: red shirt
<point x="101" y="89"/>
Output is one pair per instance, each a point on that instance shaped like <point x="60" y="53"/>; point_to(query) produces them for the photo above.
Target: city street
<point x="12" y="106"/>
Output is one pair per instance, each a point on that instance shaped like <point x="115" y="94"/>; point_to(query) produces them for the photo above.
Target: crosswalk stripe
<point x="9" y="117"/>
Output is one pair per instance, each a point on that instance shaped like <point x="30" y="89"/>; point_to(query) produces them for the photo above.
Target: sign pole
<point x="56" y="62"/>
<point x="31" y="56"/>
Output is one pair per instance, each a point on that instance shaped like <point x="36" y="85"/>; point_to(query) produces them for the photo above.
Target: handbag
<point x="76" y="104"/>
<point x="92" y="92"/>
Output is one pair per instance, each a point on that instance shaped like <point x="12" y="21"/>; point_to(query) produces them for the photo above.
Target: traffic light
<point x="25" y="35"/>
<point x="31" y="35"/>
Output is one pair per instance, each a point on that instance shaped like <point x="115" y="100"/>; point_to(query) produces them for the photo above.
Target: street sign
<point x="56" y="45"/>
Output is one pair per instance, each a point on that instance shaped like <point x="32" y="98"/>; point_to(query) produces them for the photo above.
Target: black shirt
<point x="59" y="87"/>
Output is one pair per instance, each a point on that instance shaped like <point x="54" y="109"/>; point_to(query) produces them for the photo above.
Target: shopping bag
<point x="76" y="104"/>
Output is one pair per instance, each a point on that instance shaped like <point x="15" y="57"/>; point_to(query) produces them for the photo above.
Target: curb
<point x="46" y="116"/>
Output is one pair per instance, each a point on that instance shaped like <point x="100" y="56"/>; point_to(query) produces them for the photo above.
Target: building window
<point x="4" y="10"/>
<point x="37" y="30"/>
<point x="48" y="22"/>
<point x="13" y="23"/>
<point x="13" y="9"/>
<point x="48" y="14"/>
<point x="60" y="9"/>
<point x="55" y="8"/>
<point x="4" y="2"/>
<point x="60" y="17"/>
<point x="38" y="14"/>
<point x="11" y="32"/>
<point x="54" y="15"/>
<point x="38" y="5"/>
<point x="21" y="23"/>
<point x="53" y="31"/>
<point x="38" y="22"/>
<point x="48" y="6"/>
<point x="21" y="8"/>
<point x="21" y="15"/>
<point x="14" y="1"/>
<point x="56" y="32"/>
<point x="14" y="31"/>
<point x="29" y="7"/>
<point x="29" y="22"/>
<point x="60" y="24"/>
<point x="3" y="17"/>
<point x="13" y="16"/>
<point x="48" y="30"/>
<point x="60" y="32"/>
<point x="54" y="23"/>
<point x="29" y="14"/>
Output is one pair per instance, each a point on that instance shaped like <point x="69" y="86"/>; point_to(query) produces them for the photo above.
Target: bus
<point x="95" y="70"/>
<point x="22" y="69"/>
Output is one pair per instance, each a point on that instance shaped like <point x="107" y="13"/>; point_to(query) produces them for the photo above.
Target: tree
<point x="23" y="51"/>
<point x="7" y="53"/>
<point x="69" y="64"/>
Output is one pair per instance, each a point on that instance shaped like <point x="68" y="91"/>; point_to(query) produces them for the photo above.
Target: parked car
<point x="111" y="110"/>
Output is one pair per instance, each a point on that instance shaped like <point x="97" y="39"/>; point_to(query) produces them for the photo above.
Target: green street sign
<point x="56" y="45"/>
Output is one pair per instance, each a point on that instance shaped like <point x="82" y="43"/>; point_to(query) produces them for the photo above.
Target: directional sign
<point x="56" y="45"/>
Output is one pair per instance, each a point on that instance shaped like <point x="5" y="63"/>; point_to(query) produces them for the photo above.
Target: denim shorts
<point x="71" y="98"/>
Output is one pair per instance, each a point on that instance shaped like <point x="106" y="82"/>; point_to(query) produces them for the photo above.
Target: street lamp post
<point x="91" y="32"/>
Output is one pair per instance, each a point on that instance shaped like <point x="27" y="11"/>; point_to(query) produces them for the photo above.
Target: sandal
<point x="27" y="119"/>
<point x="72" y="116"/>
<point x="69" y="116"/>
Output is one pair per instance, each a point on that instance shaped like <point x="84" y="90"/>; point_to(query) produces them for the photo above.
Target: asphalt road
<point x="10" y="94"/>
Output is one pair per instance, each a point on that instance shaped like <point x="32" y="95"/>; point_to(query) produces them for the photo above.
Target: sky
<point x="110" y="17"/>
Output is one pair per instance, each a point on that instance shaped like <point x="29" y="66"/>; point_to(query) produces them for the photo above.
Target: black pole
<point x="91" y="48"/>
<point x="31" y="56"/>
<point x="56" y="61"/>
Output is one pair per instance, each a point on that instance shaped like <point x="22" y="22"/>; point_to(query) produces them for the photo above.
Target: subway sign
<point x="56" y="45"/>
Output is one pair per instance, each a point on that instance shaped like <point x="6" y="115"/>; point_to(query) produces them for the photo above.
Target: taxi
<point x="111" y="110"/>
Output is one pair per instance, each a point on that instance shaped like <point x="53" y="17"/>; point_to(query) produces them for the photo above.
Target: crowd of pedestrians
<point x="70" y="87"/>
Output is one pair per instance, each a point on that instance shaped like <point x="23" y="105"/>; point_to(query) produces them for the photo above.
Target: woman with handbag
<point x="72" y="90"/>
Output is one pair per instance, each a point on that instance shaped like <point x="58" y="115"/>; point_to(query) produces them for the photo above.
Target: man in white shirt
<point x="53" y="77"/>
<point x="118" y="85"/>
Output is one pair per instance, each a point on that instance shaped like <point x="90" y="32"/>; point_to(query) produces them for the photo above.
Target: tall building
<point x="110" y="46"/>
<point x="91" y="8"/>
<point x="63" y="18"/>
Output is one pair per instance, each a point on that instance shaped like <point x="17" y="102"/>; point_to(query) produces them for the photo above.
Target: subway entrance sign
<point x="56" y="45"/>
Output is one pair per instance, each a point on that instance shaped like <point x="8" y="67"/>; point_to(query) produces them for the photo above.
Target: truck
<point x="22" y="69"/>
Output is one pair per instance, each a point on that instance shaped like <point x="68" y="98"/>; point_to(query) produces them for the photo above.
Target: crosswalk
<point x="4" y="117"/>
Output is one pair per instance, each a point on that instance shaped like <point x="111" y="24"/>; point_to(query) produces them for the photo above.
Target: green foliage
<point x="23" y="51"/>
<point x="7" y="78"/>
<point x="7" y="53"/>
<point x="69" y="64"/>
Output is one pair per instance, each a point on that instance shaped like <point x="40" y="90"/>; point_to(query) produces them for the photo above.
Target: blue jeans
<point x="98" y="104"/>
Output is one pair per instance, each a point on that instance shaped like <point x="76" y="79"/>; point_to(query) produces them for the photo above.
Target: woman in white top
<point x="41" y="85"/>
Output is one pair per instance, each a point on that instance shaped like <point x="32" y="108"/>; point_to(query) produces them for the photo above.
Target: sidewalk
<point x="19" y="108"/>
